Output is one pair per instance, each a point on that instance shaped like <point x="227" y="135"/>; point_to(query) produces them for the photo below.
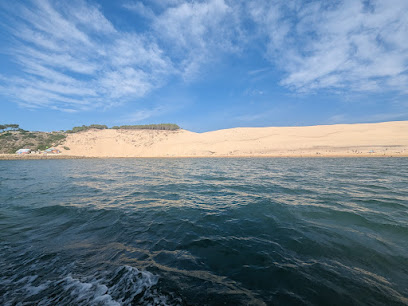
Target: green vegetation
<point x="30" y="135"/>
<point x="48" y="140"/>
<point x="77" y="129"/>
<point x="9" y="127"/>
<point x="66" y="148"/>
<point x="161" y="126"/>
<point x="56" y="137"/>
<point x="12" y="137"/>
<point x="5" y="135"/>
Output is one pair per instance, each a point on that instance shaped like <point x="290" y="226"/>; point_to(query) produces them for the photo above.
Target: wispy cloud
<point x="75" y="59"/>
<point x="197" y="33"/>
<point x="353" y="45"/>
<point x="380" y="117"/>
<point x="251" y="118"/>
<point x="259" y="71"/>
<point x="337" y="119"/>
<point x="72" y="57"/>
<point x="143" y="114"/>
<point x="141" y="9"/>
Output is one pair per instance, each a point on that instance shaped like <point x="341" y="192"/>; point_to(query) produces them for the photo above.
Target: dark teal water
<point x="204" y="232"/>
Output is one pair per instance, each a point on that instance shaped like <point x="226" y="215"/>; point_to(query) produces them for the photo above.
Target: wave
<point x="125" y="286"/>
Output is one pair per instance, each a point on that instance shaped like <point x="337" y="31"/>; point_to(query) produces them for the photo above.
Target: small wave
<point x="125" y="286"/>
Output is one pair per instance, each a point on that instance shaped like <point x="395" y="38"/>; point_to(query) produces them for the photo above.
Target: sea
<point x="204" y="231"/>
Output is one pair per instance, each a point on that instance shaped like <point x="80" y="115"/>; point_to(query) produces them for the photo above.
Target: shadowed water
<point x="204" y="231"/>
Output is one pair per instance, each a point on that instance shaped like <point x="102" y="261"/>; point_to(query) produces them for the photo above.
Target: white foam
<point x="33" y="290"/>
<point x="126" y="286"/>
<point x="131" y="283"/>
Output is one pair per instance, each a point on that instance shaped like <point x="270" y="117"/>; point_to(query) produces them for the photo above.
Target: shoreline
<point x="39" y="157"/>
<point x="65" y="157"/>
<point x="386" y="139"/>
<point x="359" y="140"/>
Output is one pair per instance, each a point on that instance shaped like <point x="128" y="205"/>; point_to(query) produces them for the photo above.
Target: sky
<point x="205" y="65"/>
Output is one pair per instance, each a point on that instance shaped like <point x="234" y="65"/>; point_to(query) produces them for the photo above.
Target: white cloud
<point x="141" y="9"/>
<point x="337" y="119"/>
<point x="89" y="17"/>
<point x="143" y="114"/>
<point x="355" y="45"/>
<point x="197" y="33"/>
<point x="88" y="63"/>
<point x="73" y="58"/>
<point x="127" y="81"/>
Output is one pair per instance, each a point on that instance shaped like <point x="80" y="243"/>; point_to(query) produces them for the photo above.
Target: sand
<point x="341" y="140"/>
<point x="39" y="156"/>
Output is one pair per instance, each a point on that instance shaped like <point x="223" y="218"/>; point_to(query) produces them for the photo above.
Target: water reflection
<point x="212" y="230"/>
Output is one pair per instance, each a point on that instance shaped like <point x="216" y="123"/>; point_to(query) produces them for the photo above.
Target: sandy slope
<point x="388" y="138"/>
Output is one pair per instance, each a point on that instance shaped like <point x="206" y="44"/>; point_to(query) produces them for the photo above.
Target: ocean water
<point x="204" y="232"/>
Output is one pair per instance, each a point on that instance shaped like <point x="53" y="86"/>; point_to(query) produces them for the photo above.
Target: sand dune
<point x="374" y="139"/>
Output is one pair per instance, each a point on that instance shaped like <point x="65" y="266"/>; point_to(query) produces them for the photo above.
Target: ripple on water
<point x="204" y="231"/>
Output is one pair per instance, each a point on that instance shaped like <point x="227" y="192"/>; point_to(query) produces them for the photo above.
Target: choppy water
<point x="204" y="231"/>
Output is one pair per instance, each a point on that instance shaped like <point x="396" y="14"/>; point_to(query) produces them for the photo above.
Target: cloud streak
<point x="76" y="59"/>
<point x="143" y="114"/>
<point x="350" y="45"/>
<point x="73" y="58"/>
<point x="198" y="33"/>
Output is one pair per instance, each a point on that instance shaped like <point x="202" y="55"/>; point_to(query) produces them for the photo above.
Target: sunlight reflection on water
<point x="205" y="231"/>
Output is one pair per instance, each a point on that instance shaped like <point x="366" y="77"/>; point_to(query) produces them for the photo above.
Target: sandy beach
<point x="39" y="157"/>
<point x="387" y="139"/>
<point x="341" y="140"/>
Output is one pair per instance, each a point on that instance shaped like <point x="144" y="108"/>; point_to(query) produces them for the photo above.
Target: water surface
<point x="204" y="231"/>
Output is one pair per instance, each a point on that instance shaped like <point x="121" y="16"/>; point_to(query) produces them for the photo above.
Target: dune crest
<point x="372" y="139"/>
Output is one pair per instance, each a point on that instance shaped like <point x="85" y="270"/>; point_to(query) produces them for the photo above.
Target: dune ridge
<point x="369" y="139"/>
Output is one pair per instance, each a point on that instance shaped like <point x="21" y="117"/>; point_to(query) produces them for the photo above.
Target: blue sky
<point x="204" y="65"/>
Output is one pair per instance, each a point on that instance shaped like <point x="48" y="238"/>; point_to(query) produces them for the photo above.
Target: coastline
<point x="353" y="140"/>
<point x="386" y="139"/>
<point x="39" y="157"/>
<point x="65" y="157"/>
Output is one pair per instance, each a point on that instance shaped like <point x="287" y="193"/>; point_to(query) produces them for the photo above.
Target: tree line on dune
<point x="160" y="126"/>
<point x="76" y="129"/>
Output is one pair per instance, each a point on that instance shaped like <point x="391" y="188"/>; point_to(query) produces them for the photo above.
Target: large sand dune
<point x="374" y="139"/>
